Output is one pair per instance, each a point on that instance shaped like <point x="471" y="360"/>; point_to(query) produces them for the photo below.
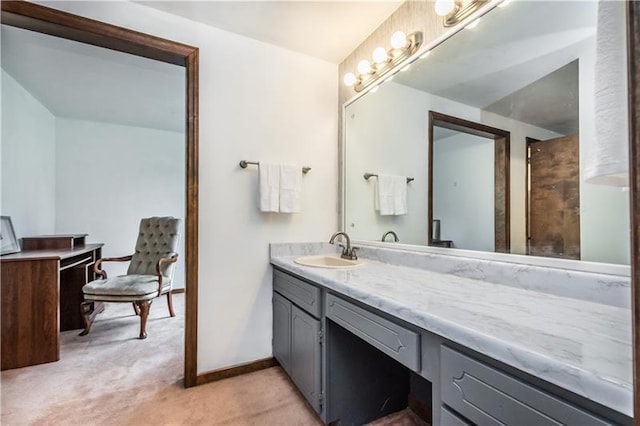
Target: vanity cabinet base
<point x="297" y="340"/>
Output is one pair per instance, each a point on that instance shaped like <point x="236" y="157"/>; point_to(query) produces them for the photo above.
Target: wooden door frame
<point x="56" y="23"/>
<point x="501" y="172"/>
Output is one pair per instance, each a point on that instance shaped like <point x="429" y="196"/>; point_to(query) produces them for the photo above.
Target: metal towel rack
<point x="245" y="163"/>
<point x="368" y="175"/>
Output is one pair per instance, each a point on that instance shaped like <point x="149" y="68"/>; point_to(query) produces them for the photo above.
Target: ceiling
<point x="80" y="81"/>
<point x="325" y="29"/>
<point x="486" y="68"/>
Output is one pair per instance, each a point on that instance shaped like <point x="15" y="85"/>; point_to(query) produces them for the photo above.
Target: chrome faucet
<point x="348" y="252"/>
<point x="395" y="236"/>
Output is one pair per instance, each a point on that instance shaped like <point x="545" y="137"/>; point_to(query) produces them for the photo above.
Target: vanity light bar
<point x="402" y="47"/>
<point x="455" y="11"/>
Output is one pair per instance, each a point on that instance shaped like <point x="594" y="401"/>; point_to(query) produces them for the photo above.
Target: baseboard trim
<point x="238" y="370"/>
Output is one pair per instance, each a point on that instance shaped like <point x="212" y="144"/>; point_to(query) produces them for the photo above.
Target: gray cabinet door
<point x="306" y="355"/>
<point x="282" y="331"/>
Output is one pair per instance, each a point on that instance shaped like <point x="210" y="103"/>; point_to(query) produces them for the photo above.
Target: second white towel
<point x="280" y="188"/>
<point x="290" y="188"/>
<point x="391" y="195"/>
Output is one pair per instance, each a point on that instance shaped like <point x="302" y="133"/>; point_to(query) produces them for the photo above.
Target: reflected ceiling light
<point x="425" y="54"/>
<point x="504" y="3"/>
<point x="460" y="10"/>
<point x="385" y="60"/>
<point x="375" y="89"/>
<point x="473" y="24"/>
<point x="405" y="68"/>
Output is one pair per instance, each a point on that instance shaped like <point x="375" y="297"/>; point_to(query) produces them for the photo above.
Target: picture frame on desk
<point x="8" y="241"/>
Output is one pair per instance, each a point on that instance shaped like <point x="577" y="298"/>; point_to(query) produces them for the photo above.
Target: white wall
<point x="463" y="190"/>
<point x="387" y="132"/>
<point x="109" y="176"/>
<point x="257" y="102"/>
<point x="28" y="161"/>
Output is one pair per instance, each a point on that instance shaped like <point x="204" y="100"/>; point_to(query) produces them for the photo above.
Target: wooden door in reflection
<point x="554" y="197"/>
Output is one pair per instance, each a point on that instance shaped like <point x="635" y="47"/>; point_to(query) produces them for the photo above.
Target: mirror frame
<point x="502" y="163"/>
<point x="633" y="47"/>
<point x="41" y="19"/>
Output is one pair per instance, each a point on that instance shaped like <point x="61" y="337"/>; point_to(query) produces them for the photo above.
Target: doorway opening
<point x="56" y="23"/>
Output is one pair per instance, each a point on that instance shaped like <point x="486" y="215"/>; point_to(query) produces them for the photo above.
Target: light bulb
<point x="398" y="40"/>
<point x="379" y="55"/>
<point x="350" y="79"/>
<point x="364" y="67"/>
<point x="444" y="7"/>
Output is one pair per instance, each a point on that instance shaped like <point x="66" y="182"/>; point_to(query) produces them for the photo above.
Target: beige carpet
<point x="112" y="378"/>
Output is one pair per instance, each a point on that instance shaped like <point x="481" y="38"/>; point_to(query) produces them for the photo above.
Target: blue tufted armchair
<point x="149" y="275"/>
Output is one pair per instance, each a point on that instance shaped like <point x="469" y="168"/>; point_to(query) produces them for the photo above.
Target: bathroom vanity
<point x="493" y="352"/>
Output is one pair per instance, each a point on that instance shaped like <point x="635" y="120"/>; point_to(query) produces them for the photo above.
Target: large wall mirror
<point x="527" y="72"/>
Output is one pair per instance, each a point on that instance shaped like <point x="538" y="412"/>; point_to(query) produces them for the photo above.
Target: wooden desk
<point x="41" y="295"/>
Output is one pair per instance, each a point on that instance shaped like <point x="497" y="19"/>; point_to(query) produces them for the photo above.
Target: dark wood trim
<point x="54" y="22"/>
<point x="502" y="141"/>
<point x="42" y="19"/>
<point x="178" y="291"/>
<point x="633" y="37"/>
<point x="238" y="370"/>
<point x="191" y="246"/>
<point x="527" y="181"/>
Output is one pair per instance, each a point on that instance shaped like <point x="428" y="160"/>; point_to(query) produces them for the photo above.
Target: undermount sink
<point x="328" y="261"/>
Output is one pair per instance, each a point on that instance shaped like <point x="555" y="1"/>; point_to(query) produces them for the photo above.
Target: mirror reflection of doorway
<point x="462" y="155"/>
<point x="553" y="207"/>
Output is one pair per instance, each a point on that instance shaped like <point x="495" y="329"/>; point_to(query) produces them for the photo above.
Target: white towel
<point x="269" y="189"/>
<point x="608" y="163"/>
<point x="391" y="195"/>
<point x="290" y="188"/>
<point x="386" y="195"/>
<point x="399" y="195"/>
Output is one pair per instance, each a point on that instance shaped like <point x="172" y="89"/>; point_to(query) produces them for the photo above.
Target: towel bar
<point x="368" y="175"/>
<point x="245" y="163"/>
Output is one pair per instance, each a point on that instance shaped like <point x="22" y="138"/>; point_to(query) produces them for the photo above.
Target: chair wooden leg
<point x="144" y="314"/>
<point x="136" y="309"/>
<point x="88" y="311"/>
<point x="170" y="303"/>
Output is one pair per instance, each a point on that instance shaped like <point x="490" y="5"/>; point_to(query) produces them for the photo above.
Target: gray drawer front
<point x="303" y="294"/>
<point x="398" y="342"/>
<point x="487" y="396"/>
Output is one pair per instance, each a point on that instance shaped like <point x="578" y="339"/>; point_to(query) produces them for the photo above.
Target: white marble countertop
<point x="581" y="346"/>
